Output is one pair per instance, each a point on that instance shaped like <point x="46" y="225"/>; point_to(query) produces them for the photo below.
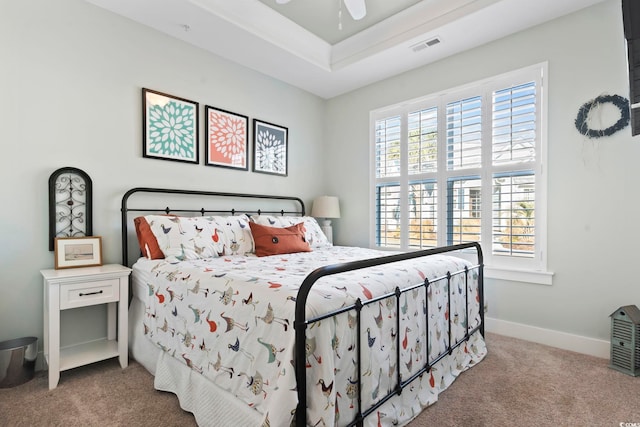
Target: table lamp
<point x="326" y="207"/>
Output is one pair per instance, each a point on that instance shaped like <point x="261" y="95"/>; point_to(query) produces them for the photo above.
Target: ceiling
<point x="330" y="19"/>
<point x="300" y="42"/>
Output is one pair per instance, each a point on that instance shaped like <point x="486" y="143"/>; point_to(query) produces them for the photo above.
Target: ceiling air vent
<point x="425" y="44"/>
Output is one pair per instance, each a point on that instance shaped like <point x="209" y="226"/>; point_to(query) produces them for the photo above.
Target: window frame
<point x="532" y="270"/>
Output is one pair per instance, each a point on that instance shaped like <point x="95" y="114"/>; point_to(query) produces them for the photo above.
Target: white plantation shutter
<point x="388" y="147"/>
<point x="514" y="124"/>
<point x="388" y="169"/>
<point x="514" y="127"/>
<point x="464" y="218"/>
<point x="423" y="214"/>
<point x="465" y="165"/>
<point x="514" y="215"/>
<point x="423" y="141"/>
<point x="464" y="133"/>
<point x="388" y="215"/>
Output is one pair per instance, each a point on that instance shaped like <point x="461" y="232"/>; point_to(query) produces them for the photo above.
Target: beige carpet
<point x="518" y="384"/>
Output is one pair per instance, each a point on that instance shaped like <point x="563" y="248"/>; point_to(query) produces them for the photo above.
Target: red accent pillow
<point x="147" y="241"/>
<point x="276" y="240"/>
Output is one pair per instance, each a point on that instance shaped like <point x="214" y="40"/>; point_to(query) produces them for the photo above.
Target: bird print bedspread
<point x="231" y="319"/>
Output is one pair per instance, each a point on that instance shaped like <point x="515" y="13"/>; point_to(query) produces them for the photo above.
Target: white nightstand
<point x="81" y="287"/>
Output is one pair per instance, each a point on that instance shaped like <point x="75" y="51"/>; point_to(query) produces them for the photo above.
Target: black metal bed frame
<point x="301" y="322"/>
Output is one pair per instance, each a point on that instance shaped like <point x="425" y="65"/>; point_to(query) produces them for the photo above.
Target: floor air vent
<point x="625" y="340"/>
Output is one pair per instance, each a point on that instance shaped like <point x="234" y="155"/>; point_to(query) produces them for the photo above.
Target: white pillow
<point x="236" y="233"/>
<point x="181" y="238"/>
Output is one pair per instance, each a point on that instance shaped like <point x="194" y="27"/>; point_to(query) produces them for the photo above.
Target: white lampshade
<point x="326" y="207"/>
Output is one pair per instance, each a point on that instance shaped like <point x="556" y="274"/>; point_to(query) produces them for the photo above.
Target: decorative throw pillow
<point x="312" y="231"/>
<point x="234" y="233"/>
<point x="147" y="241"/>
<point x="278" y="240"/>
<point x="181" y="238"/>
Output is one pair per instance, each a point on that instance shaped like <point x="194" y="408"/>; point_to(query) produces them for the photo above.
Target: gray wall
<point x="70" y="84"/>
<point x="592" y="194"/>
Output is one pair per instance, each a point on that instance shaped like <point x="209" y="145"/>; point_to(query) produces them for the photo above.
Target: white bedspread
<point x="231" y="320"/>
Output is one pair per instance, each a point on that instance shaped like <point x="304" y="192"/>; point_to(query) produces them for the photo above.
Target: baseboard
<point x="563" y="340"/>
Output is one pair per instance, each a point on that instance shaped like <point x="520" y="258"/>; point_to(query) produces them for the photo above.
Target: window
<point x="465" y="165"/>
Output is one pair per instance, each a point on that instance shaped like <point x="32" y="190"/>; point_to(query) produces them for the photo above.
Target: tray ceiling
<point x="300" y="42"/>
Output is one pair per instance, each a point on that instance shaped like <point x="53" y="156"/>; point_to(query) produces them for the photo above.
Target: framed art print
<point x="270" y="148"/>
<point x="78" y="251"/>
<point x="170" y="127"/>
<point x="227" y="139"/>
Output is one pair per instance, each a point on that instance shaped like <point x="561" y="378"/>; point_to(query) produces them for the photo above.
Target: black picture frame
<point x="169" y="127"/>
<point x="270" y="148"/>
<point x="227" y="139"/>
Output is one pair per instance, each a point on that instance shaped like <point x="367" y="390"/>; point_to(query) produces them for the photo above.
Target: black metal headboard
<point x="190" y="207"/>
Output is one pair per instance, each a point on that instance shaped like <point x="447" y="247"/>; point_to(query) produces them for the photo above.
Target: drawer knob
<point x="90" y="293"/>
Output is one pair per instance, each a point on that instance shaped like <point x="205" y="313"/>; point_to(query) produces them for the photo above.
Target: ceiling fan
<point x="357" y="8"/>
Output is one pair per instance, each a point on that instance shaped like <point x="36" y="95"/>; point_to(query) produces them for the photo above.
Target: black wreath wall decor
<point x="621" y="103"/>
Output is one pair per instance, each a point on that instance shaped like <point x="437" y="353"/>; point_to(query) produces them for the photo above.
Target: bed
<point x="251" y="317"/>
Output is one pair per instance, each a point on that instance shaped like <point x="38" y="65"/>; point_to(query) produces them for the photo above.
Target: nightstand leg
<point x="54" y="377"/>
<point x="123" y="329"/>
<point x="54" y="336"/>
<point x="111" y="321"/>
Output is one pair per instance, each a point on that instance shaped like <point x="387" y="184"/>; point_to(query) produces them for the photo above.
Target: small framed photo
<point x="73" y="252"/>
<point x="270" y="148"/>
<point x="170" y="127"/>
<point x="227" y="139"/>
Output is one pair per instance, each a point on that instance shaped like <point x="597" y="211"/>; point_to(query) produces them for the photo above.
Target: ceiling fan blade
<point x="357" y="8"/>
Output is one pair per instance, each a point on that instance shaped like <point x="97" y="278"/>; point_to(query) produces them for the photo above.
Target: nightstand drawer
<point x="89" y="293"/>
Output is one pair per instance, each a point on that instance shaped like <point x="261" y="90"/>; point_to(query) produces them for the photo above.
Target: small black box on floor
<point x="625" y="340"/>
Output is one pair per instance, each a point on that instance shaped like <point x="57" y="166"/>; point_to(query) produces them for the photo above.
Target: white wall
<point x="70" y="90"/>
<point x="593" y="186"/>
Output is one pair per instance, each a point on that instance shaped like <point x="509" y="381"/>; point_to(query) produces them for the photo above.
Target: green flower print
<point x="171" y="130"/>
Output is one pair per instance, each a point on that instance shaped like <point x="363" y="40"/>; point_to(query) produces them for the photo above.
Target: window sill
<point x="528" y="276"/>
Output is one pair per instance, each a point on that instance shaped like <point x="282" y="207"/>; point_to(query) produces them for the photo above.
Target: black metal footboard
<point x="301" y="323"/>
